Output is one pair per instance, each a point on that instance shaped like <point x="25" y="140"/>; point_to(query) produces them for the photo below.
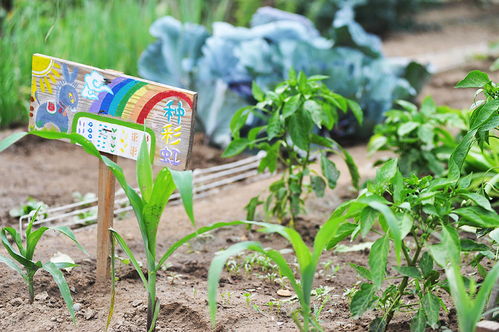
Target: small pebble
<point x="77" y="306"/>
<point x="41" y="296"/>
<point x="136" y="303"/>
<point x="89" y="314"/>
<point x="284" y="293"/>
<point x="16" y="302"/>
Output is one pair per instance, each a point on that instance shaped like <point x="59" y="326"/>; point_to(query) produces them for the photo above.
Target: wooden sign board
<point x="114" y="111"/>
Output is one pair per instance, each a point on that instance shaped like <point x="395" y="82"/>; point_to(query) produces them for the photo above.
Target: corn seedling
<point x="469" y="300"/>
<point x="147" y="208"/>
<point x="24" y="255"/>
<point x="308" y="261"/>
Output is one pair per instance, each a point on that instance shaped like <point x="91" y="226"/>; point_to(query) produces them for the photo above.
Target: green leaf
<point x="65" y="230"/>
<point x="318" y="185"/>
<point x="459" y="154"/>
<point x="482" y="114"/>
<point x="406" y="128"/>
<point x="274" y="126"/>
<point x="300" y="127"/>
<point x="251" y="207"/>
<point x="362" y="300"/>
<point x="378" y="258"/>
<point x="387" y="171"/>
<point x="10" y="263"/>
<point x="479" y="200"/>
<point x="257" y="92"/>
<point x="431" y="307"/>
<point x="426" y="264"/>
<point x="292" y="104"/>
<point x="144" y="171"/>
<point x="130" y="255"/>
<point x="314" y="78"/>
<point x="11" y="139"/>
<point x="63" y="286"/>
<point x="428" y="106"/>
<point x="183" y="181"/>
<point x="28" y="264"/>
<point x="367" y="219"/>
<point x="342" y="233"/>
<point x="195" y="234"/>
<point x="418" y="323"/>
<point x="474" y="79"/>
<point x="356" y="110"/>
<point x="315" y="110"/>
<point x="409" y="271"/>
<point x="470" y="245"/>
<point x="362" y="271"/>
<point x="376" y="142"/>
<point x="425" y="134"/>
<point x="329" y="171"/>
<point x="239" y="120"/>
<point x="133" y="197"/>
<point x="410" y="107"/>
<point x="478" y="217"/>
<point x="352" y="168"/>
<point x="235" y="147"/>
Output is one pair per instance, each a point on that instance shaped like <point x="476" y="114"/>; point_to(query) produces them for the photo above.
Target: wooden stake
<point x="104" y="218"/>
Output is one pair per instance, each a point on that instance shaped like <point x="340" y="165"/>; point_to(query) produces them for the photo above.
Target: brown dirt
<point x="51" y="171"/>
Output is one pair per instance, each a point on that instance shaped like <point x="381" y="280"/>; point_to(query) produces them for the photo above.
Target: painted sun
<point x="45" y="71"/>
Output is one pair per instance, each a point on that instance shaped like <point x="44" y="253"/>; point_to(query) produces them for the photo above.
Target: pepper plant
<point x="24" y="255"/>
<point x="420" y="138"/>
<point x="409" y="210"/>
<point x="292" y="115"/>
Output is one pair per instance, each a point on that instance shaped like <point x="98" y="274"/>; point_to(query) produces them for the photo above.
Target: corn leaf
<point x="17" y="239"/>
<point x="63" y="286"/>
<point x="189" y="237"/>
<point x="183" y="181"/>
<point x="130" y="255"/>
<point x="10" y="263"/>
<point x="144" y="171"/>
<point x="28" y="264"/>
<point x="11" y="139"/>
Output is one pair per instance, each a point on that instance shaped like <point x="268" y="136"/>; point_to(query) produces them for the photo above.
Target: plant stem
<point x="151" y="301"/>
<point x="31" y="288"/>
<point x="405" y="281"/>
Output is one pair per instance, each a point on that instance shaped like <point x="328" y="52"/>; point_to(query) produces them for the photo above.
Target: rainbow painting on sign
<point x="112" y="110"/>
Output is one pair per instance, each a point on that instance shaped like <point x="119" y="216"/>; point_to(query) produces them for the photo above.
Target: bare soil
<point x="51" y="171"/>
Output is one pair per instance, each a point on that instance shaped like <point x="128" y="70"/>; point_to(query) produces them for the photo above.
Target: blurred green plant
<point x="30" y="205"/>
<point x="420" y="138"/>
<point x="97" y="33"/>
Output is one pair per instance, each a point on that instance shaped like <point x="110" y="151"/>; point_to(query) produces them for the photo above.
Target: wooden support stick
<point x="104" y="218"/>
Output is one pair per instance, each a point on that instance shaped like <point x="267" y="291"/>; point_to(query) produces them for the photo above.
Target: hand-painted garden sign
<point x="114" y="111"/>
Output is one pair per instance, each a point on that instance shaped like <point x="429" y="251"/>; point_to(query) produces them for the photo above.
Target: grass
<point x="106" y="34"/>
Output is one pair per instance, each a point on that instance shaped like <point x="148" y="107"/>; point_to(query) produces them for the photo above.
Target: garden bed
<point x="248" y="300"/>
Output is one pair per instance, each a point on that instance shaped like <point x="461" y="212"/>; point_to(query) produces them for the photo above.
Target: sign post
<point x="115" y="112"/>
<point x="105" y="215"/>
